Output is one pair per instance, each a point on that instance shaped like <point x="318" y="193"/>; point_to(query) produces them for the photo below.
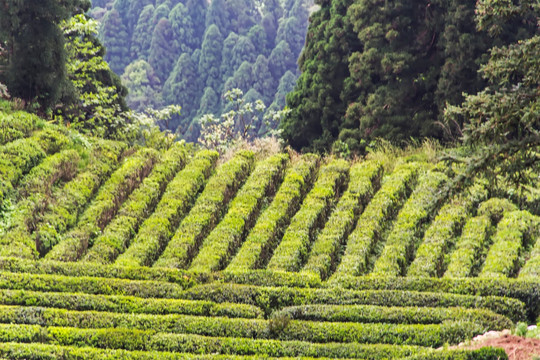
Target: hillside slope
<point x="133" y="253"/>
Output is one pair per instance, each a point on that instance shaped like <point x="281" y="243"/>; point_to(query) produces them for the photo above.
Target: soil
<point x="516" y="347"/>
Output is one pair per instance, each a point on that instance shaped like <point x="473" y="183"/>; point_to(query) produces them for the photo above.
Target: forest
<point x="191" y="53"/>
<point x="278" y="179"/>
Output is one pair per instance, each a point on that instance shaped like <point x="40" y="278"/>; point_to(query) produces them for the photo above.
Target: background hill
<point x="191" y="52"/>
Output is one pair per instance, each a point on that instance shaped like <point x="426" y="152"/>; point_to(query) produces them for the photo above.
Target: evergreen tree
<point x="286" y="85"/>
<point x="258" y="38"/>
<point x="263" y="82"/>
<point x="243" y="50"/>
<point x="281" y="59"/>
<point x="142" y="35"/>
<point x="35" y="45"/>
<point x="294" y="34"/>
<point x="209" y="102"/>
<point x="228" y="65"/>
<point x="210" y="60"/>
<point x="183" y="29"/>
<point x="183" y="88"/>
<point x="315" y="103"/>
<point x="116" y="39"/>
<point x="133" y="12"/>
<point x="162" y="52"/>
<point x="143" y="86"/>
<point x="217" y="15"/>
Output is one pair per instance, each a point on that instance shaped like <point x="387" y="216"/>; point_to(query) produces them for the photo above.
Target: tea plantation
<point x="110" y="252"/>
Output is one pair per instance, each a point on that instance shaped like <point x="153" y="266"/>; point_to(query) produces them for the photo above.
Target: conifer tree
<point x="116" y="40"/>
<point x="182" y="86"/>
<point x="162" y="52"/>
<point x="35" y="45"/>
<point x="142" y="35"/>
<point x="210" y="60"/>
<point x="227" y="64"/>
<point x="263" y="82"/>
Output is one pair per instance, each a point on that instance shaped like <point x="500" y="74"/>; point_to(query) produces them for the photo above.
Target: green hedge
<point x="486" y="353"/>
<point x="526" y="291"/>
<point x="148" y="340"/>
<point x="74" y="196"/>
<point x="495" y="208"/>
<point x="263" y="238"/>
<point x="180" y="194"/>
<point x="396" y="334"/>
<point x="270" y="278"/>
<point x="221" y="243"/>
<point x="466" y="259"/>
<point x="35" y="190"/>
<point x="105" y="206"/>
<point x="127" y="304"/>
<point x="49" y="352"/>
<point x="181" y="277"/>
<point x="387" y="200"/>
<point x="207" y="211"/>
<point x="16" y="159"/>
<point x="440" y="235"/>
<point x="272" y="298"/>
<point x="90" y="285"/>
<point x="83" y="269"/>
<point x="293" y="250"/>
<point x="513" y="234"/>
<point x="531" y="269"/>
<point x="394" y="315"/>
<point x="402" y="241"/>
<point x="117" y="235"/>
<point x="18" y="125"/>
<point x="364" y="181"/>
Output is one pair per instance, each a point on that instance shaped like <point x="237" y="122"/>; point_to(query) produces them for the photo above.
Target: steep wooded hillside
<point x="191" y="52"/>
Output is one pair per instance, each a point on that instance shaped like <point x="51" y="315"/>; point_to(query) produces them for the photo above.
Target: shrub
<point x="105" y="206"/>
<point x="402" y="241"/>
<point x="429" y="260"/>
<point x="180" y="194"/>
<point x="384" y="204"/>
<point x="262" y="239"/>
<point x="73" y="197"/>
<point x="139" y="205"/>
<point x="293" y="249"/>
<point x="513" y="234"/>
<point x="217" y="248"/>
<point x="364" y="181"/>
<point x="468" y="253"/>
<point x="206" y="212"/>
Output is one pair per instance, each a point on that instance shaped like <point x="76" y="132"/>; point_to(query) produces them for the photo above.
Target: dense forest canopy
<point x="191" y="52"/>
<point x="374" y="68"/>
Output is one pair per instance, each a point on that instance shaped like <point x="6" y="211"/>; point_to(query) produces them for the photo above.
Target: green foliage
<point x="219" y="246"/>
<point x="241" y="124"/>
<point x="370" y="224"/>
<point x="293" y="250"/>
<point x="263" y="238"/>
<point x="36" y="59"/>
<point x="502" y="137"/>
<point x="97" y="103"/>
<point x="394" y="315"/>
<point x="364" y="180"/>
<point x="141" y="203"/>
<point x="206" y="212"/>
<point x="373" y="69"/>
<point x="402" y="242"/>
<point x="179" y="196"/>
<point x="104" y="206"/>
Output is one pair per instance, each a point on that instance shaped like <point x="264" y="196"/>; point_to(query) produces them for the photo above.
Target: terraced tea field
<point x="110" y="252"/>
